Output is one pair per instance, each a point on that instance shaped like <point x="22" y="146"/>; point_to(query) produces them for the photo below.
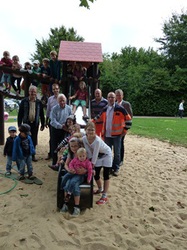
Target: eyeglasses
<point x="111" y="97"/>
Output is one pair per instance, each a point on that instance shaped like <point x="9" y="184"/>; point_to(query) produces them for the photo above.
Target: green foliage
<point x="174" y="41"/>
<point x="56" y="35"/>
<point x="84" y="3"/>
<point x="172" y="130"/>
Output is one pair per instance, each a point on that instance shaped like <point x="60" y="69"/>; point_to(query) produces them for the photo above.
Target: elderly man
<point x="97" y="106"/>
<point x="126" y="105"/>
<point x="31" y="112"/>
<point x="52" y="101"/>
<point x="58" y="116"/>
<point x="116" y="121"/>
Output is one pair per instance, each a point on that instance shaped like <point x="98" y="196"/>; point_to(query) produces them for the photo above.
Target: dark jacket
<point x="9" y="146"/>
<point x="23" y="114"/>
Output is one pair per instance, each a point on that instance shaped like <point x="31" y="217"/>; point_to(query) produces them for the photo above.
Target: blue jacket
<point x="17" y="149"/>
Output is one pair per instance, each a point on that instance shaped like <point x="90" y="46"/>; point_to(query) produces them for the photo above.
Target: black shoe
<point x="54" y="167"/>
<point x="48" y="157"/>
<point x="34" y="158"/>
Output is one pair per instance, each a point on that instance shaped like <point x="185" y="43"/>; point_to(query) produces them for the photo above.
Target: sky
<point x="113" y="23"/>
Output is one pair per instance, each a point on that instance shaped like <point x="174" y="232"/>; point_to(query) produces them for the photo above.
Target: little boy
<point x="9" y="147"/>
<point x="23" y="149"/>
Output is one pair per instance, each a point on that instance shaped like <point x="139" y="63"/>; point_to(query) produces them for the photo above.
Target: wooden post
<point x="2" y="129"/>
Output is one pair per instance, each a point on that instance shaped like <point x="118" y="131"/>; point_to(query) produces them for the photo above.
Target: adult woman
<point x="101" y="156"/>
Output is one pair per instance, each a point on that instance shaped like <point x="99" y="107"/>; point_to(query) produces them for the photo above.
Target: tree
<point x="174" y="41"/>
<point x="84" y="3"/>
<point x="56" y="35"/>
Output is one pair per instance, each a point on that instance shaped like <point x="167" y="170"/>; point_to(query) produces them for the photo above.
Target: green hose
<point x="15" y="184"/>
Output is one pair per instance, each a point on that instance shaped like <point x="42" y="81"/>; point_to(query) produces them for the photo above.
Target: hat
<point x="36" y="62"/>
<point x="45" y="60"/>
<point x="25" y="128"/>
<point x="12" y="128"/>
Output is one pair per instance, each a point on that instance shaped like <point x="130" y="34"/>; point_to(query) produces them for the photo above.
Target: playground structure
<point x="69" y="52"/>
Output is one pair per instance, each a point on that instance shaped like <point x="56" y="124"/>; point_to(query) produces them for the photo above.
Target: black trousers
<point x="57" y="135"/>
<point x="34" y="132"/>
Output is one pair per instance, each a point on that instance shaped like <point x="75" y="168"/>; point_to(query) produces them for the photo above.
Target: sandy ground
<point x="147" y="208"/>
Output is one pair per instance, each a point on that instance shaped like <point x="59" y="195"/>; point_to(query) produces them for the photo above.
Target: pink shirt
<point x="75" y="164"/>
<point x="81" y="95"/>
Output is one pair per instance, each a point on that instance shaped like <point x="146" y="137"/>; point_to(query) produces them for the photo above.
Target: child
<point x="36" y="70"/>
<point x="81" y="96"/>
<point x="46" y="72"/>
<point x="56" y="68"/>
<point x="74" y="131"/>
<point x="27" y="68"/>
<point x="101" y="157"/>
<point x="6" y="78"/>
<point x="16" y="78"/>
<point x="23" y="150"/>
<point x="77" y="166"/>
<point x="9" y="147"/>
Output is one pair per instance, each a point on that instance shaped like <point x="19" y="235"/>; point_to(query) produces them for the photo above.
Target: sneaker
<point x="8" y="173"/>
<point x="102" y="201"/>
<point x="21" y="177"/>
<point x="76" y="211"/>
<point x="64" y="209"/>
<point x="31" y="177"/>
<point x="116" y="173"/>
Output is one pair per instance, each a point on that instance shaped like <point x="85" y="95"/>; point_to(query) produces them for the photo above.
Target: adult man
<point x="127" y="106"/>
<point x="31" y="112"/>
<point x="58" y="116"/>
<point x="52" y="101"/>
<point x="181" y="109"/>
<point x="97" y="106"/>
<point x="116" y="121"/>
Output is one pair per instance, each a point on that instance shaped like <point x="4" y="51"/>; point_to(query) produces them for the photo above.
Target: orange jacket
<point x="121" y="121"/>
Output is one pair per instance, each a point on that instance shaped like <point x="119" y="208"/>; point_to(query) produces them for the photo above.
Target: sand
<point x="147" y="206"/>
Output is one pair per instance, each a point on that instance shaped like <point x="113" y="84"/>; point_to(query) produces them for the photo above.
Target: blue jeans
<point x="115" y="142"/>
<point x="27" y="160"/>
<point x="9" y="164"/>
<point x="70" y="183"/>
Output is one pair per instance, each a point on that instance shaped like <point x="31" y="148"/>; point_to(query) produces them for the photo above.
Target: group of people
<point x="84" y="153"/>
<point x="49" y="69"/>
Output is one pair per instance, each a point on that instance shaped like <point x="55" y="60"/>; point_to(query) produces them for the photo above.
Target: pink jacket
<point x="75" y="164"/>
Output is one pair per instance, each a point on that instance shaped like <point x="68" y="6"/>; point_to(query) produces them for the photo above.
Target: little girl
<point x="81" y="96"/>
<point x="101" y="157"/>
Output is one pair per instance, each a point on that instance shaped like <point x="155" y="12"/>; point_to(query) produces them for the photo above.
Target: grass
<point x="172" y="130"/>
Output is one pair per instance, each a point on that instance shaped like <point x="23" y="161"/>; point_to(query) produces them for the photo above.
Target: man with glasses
<point x="116" y="121"/>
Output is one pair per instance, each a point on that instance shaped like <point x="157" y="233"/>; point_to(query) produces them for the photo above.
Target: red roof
<point x="80" y="52"/>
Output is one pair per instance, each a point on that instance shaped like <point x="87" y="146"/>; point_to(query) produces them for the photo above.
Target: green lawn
<point x="172" y="130"/>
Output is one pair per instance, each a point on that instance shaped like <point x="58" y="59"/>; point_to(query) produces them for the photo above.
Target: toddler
<point x="8" y="149"/>
<point x="23" y="149"/>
